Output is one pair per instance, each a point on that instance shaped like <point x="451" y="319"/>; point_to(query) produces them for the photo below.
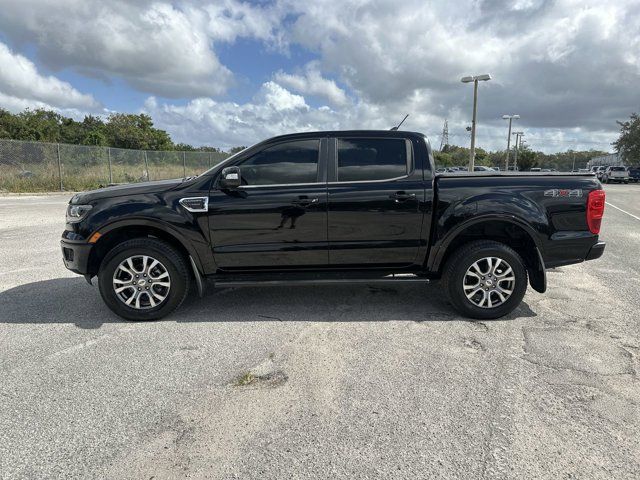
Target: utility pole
<point x="109" y="160"/>
<point x="59" y="167"/>
<point x="444" y="141"/>
<point x="474" y="79"/>
<point x="519" y="136"/>
<point x="510" y="118"/>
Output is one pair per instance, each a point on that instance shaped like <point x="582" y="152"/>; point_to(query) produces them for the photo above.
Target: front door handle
<point x="399" y="197"/>
<point x="305" y="201"/>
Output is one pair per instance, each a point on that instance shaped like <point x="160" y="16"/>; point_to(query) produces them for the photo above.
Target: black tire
<point x="171" y="259"/>
<point x="463" y="259"/>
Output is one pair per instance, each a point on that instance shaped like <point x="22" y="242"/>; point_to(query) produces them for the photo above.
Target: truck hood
<point x="128" y="189"/>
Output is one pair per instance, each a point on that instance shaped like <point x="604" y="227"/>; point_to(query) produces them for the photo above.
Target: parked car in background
<point x="634" y="174"/>
<point x="535" y="169"/>
<point x="482" y="168"/>
<point x="615" y="174"/>
<point x="600" y="171"/>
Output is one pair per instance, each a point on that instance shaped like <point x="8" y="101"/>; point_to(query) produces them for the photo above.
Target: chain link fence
<point x="46" y="167"/>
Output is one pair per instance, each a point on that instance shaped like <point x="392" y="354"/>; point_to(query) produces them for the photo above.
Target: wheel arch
<point x="509" y="230"/>
<point x="118" y="232"/>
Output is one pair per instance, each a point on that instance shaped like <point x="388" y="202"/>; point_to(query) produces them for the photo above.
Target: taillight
<point x="595" y="210"/>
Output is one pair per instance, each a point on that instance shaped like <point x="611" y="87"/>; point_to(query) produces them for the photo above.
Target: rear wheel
<point x="143" y="279"/>
<point x="485" y="279"/>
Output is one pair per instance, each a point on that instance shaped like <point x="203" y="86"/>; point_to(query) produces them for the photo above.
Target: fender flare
<point x="437" y="254"/>
<point x="154" y="223"/>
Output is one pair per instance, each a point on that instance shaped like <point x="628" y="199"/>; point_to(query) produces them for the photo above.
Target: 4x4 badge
<point x="563" y="192"/>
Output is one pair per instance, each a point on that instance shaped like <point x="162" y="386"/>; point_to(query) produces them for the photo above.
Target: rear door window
<point x="370" y="159"/>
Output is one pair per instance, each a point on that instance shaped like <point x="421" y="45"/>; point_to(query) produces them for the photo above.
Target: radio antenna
<point x="396" y="128"/>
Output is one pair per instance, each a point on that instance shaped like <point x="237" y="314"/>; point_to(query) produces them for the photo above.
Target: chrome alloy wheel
<point x="141" y="282"/>
<point x="489" y="282"/>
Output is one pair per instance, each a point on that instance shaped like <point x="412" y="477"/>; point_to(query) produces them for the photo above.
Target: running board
<point x="280" y="280"/>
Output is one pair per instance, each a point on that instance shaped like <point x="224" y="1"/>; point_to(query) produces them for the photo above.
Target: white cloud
<point x="205" y="121"/>
<point x="22" y="86"/>
<point x="227" y="20"/>
<point x="156" y="47"/>
<point x="567" y="66"/>
<point x="311" y="82"/>
<point x="280" y="99"/>
<point x="273" y="111"/>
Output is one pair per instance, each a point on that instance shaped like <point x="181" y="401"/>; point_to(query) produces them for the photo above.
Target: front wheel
<point x="143" y="279"/>
<point x="485" y="279"/>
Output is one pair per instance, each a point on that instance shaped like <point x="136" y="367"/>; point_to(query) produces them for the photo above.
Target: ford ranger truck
<point x="333" y="207"/>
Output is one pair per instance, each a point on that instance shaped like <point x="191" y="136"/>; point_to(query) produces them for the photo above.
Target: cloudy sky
<point x="232" y="72"/>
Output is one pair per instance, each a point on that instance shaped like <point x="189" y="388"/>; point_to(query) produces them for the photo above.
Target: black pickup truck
<point x="333" y="207"/>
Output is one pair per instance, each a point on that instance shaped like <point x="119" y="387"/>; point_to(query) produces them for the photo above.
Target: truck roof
<point x="362" y="133"/>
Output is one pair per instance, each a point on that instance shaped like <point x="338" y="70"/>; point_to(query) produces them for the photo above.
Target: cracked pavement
<point x="347" y="381"/>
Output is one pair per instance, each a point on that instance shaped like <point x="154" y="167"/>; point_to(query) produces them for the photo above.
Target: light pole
<point x="475" y="79"/>
<point x="510" y="118"/>
<point x="519" y="136"/>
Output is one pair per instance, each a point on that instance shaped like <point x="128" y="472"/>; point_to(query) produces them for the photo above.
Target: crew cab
<point x="333" y="207"/>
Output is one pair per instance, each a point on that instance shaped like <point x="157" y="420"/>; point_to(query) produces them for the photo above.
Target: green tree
<point x="94" y="137"/>
<point x="443" y="159"/>
<point x="628" y="143"/>
<point x="233" y="150"/>
<point x="184" y="147"/>
<point x="526" y="158"/>
<point x="126" y="130"/>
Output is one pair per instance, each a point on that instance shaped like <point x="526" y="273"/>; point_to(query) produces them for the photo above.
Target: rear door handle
<point x="399" y="197"/>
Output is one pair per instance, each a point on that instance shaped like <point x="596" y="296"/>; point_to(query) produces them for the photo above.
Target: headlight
<point x="76" y="213"/>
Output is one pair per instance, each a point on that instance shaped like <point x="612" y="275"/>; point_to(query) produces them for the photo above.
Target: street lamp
<point x="475" y="80"/>
<point x="519" y="141"/>
<point x="510" y="118"/>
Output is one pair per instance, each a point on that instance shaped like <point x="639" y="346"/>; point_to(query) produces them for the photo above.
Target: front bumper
<point x="596" y="251"/>
<point x="76" y="256"/>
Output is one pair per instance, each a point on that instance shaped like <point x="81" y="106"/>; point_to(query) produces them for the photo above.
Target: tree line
<point x="628" y="144"/>
<point x="119" y="130"/>
<point x="136" y="131"/>
<point x="453" y="155"/>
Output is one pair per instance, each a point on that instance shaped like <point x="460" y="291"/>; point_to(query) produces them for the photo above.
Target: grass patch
<point x="46" y="178"/>
<point x="245" y="379"/>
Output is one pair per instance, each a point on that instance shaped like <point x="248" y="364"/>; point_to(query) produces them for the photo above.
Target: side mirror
<point x="230" y="177"/>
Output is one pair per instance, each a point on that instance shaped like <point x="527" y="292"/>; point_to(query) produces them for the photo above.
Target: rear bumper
<point x="596" y="251"/>
<point x="76" y="256"/>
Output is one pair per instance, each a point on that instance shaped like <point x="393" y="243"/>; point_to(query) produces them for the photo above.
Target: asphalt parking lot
<point x="351" y="382"/>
